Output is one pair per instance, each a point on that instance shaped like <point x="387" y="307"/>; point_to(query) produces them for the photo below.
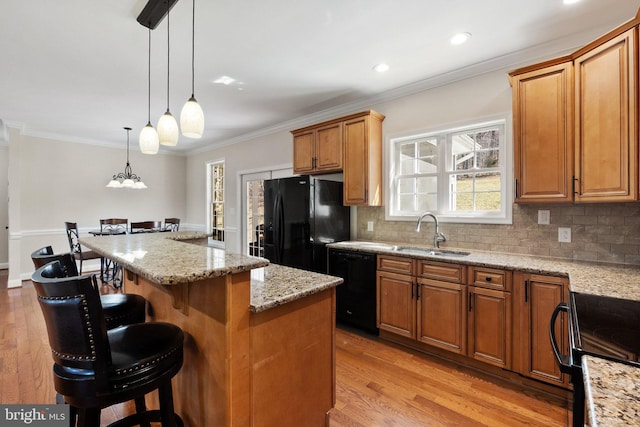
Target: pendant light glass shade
<point x="168" y="131"/>
<point x="192" y="119"/>
<point x="192" y="116"/>
<point x="149" y="142"/>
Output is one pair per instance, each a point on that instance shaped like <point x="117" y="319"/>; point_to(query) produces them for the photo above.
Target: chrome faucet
<point x="438" y="236"/>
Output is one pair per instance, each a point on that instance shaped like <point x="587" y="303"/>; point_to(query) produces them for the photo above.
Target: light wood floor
<point x="377" y="384"/>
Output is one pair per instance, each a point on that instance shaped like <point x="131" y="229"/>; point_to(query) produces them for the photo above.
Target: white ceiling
<point x="77" y="69"/>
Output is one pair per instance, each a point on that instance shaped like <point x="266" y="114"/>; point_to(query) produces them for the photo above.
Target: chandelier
<point x="127" y="179"/>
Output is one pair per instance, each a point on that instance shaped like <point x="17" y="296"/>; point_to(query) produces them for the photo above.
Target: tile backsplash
<point x="599" y="232"/>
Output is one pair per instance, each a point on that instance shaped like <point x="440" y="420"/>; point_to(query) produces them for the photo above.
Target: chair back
<point x="171" y="224"/>
<point x="115" y="225"/>
<point x="45" y="255"/>
<point x="74" y="319"/>
<point x="145" y="226"/>
<point x="73" y="236"/>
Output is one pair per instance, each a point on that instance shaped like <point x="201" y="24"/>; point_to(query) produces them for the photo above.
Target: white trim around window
<point x="451" y="173"/>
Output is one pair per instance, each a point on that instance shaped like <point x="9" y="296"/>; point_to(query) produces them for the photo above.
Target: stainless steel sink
<point x="428" y="251"/>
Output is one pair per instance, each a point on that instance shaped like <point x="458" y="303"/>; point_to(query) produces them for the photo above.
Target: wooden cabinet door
<point x="363" y="161"/>
<point x="304" y="152"/>
<point x="543" y="134"/>
<point x="328" y="140"/>
<point x="490" y="326"/>
<point x="441" y="315"/>
<point x="606" y="121"/>
<point x="396" y="308"/>
<point x="536" y="297"/>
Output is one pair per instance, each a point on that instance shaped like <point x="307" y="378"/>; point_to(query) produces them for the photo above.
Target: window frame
<point x="211" y="201"/>
<point x="445" y="171"/>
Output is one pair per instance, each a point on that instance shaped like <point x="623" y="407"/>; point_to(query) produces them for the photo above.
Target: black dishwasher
<point x="356" y="297"/>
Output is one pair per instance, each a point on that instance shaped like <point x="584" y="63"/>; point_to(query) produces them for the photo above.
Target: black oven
<point x="600" y="326"/>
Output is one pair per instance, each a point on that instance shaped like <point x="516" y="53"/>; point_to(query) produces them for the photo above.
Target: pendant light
<point x="127" y="179"/>
<point x="167" y="126"/>
<point x="192" y="116"/>
<point x="149" y="142"/>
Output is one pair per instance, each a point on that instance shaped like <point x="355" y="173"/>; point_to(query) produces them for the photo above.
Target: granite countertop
<point x="615" y="280"/>
<point x="276" y="285"/>
<point x="611" y="392"/>
<point x="168" y="258"/>
<point x="612" y="389"/>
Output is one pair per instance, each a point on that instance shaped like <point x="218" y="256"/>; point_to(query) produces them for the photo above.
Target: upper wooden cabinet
<point x="606" y="164"/>
<point x="352" y="145"/>
<point x="543" y="134"/>
<point x="318" y="150"/>
<point x="575" y="123"/>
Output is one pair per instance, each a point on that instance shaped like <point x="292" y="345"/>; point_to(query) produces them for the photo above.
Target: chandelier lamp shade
<point x="168" y="132"/>
<point x="127" y="179"/>
<point x="149" y="141"/>
<point x="192" y="116"/>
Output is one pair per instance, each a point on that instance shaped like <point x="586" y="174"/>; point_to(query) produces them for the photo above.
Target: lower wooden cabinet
<point x="490" y="326"/>
<point x="491" y="315"/>
<point x="535" y="297"/>
<point x="442" y="320"/>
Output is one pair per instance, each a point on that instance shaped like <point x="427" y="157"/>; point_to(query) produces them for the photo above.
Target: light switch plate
<point x="369" y="225"/>
<point x="544" y="217"/>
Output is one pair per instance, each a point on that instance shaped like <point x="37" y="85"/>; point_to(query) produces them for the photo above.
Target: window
<point x="216" y="196"/>
<point x="458" y="174"/>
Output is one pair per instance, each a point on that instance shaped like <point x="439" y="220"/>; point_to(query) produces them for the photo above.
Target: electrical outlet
<point x="564" y="234"/>
<point x="544" y="217"/>
<point x="369" y="225"/>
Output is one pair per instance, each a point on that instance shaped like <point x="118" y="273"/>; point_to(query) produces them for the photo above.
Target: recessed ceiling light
<point x="381" y="68"/>
<point x="460" y="38"/>
<point x="225" y="80"/>
<point x="570" y="1"/>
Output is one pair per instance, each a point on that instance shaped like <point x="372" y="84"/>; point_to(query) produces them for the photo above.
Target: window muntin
<point x="460" y="174"/>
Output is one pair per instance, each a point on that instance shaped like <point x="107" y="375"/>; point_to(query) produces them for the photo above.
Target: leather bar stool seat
<point x="119" y="309"/>
<point x="94" y="367"/>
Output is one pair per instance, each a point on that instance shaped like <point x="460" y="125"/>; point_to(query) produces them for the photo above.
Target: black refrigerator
<point x="301" y="215"/>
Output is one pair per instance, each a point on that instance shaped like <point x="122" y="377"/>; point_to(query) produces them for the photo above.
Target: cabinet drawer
<point x="490" y="278"/>
<point x="395" y="264"/>
<point x="441" y="271"/>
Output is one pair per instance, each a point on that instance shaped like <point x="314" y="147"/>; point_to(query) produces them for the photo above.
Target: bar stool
<point x="76" y="249"/>
<point x="94" y="367"/>
<point x="119" y="309"/>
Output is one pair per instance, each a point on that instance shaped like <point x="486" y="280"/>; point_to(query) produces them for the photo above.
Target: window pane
<point x="406" y="185"/>
<point x="488" y="139"/>
<point x="488" y="159"/>
<point x="428" y="202"/>
<point x="476" y="192"/>
<point x="427" y="185"/>
<point x="489" y="201"/>
<point x="406" y="202"/>
<point x="428" y="156"/>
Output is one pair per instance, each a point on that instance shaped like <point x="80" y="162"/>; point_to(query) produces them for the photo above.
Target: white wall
<point x="54" y="181"/>
<point x="476" y="98"/>
<point x="4" y="204"/>
<point x="275" y="150"/>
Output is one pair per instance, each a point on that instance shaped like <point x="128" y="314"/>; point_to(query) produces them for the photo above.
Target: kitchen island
<point x="259" y="346"/>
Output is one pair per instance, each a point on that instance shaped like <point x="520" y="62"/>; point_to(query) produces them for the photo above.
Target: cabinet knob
<point x="487" y="278"/>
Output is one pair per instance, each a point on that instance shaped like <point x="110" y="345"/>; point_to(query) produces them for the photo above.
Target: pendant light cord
<point x="127" y="129"/>
<point x="193" y="43"/>
<point x="149" y="81"/>
<point x="168" y="63"/>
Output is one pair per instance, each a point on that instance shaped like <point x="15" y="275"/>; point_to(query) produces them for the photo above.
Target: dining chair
<point x="145" y="227"/>
<point x="119" y="309"/>
<point x="76" y="248"/>
<point x="171" y="224"/>
<point x="95" y="367"/>
<point x="114" y="225"/>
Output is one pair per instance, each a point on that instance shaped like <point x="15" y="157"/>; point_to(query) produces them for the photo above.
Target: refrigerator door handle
<point x="280" y="228"/>
<point x="276" y="228"/>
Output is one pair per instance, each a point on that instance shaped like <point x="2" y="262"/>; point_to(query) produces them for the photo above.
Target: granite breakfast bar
<point x="259" y="346"/>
